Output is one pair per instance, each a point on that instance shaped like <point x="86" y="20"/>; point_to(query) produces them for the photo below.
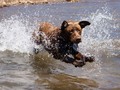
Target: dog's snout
<point x="78" y="40"/>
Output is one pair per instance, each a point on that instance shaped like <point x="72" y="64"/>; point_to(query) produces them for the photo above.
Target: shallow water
<point x="21" y="70"/>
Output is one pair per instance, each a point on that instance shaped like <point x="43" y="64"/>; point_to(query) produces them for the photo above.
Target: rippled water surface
<point x="21" y="70"/>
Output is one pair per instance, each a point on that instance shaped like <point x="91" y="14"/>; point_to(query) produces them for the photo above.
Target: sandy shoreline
<point x="6" y="3"/>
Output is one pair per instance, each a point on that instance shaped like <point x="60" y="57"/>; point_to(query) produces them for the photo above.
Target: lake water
<point x="21" y="70"/>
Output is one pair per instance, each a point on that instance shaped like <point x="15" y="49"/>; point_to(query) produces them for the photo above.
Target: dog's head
<point x="72" y="30"/>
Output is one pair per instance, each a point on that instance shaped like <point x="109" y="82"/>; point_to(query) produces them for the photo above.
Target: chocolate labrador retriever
<point x="60" y="41"/>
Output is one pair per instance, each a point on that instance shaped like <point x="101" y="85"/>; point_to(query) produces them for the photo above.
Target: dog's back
<point x="47" y="28"/>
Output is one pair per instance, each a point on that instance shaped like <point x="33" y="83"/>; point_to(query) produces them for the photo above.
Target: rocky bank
<point x="5" y="3"/>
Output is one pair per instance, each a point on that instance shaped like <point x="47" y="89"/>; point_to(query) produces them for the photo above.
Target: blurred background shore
<point x="5" y="3"/>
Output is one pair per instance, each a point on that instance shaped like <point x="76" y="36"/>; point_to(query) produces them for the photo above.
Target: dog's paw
<point x="90" y="59"/>
<point x="78" y="63"/>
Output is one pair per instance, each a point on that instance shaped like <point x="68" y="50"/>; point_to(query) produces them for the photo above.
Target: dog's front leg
<point x="80" y="59"/>
<point x="79" y="56"/>
<point x="75" y="62"/>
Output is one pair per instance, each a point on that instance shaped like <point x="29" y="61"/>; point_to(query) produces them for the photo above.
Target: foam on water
<point x="98" y="36"/>
<point x="15" y="35"/>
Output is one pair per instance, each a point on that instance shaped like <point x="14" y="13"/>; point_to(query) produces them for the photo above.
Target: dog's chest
<point x="57" y="44"/>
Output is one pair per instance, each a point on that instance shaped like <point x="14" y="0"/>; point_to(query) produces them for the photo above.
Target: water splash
<point x="16" y="31"/>
<point x="15" y="35"/>
<point x="97" y="39"/>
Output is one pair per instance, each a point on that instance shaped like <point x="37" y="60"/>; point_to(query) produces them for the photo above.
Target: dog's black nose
<point x="78" y="40"/>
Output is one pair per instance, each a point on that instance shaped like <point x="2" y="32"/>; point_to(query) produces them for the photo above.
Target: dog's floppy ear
<point x="64" y="25"/>
<point x="84" y="23"/>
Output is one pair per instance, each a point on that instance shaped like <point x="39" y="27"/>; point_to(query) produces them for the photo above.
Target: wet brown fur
<point x="68" y="34"/>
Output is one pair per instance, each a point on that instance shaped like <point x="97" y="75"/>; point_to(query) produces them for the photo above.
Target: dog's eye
<point x="77" y="30"/>
<point x="72" y="30"/>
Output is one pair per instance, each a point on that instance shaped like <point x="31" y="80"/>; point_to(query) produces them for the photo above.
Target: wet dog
<point x="60" y="41"/>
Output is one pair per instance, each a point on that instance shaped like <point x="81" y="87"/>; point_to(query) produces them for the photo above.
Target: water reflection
<point x="45" y="68"/>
